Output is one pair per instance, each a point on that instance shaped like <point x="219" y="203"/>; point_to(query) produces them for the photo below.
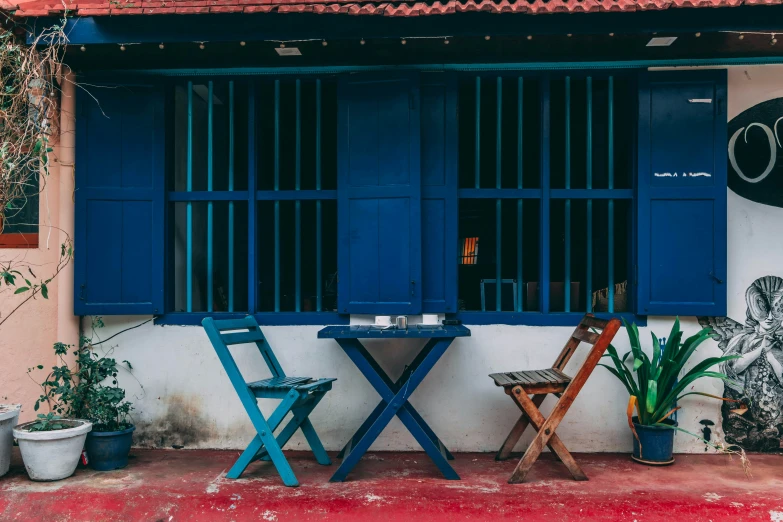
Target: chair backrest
<point x="583" y="333"/>
<point x="221" y="335"/>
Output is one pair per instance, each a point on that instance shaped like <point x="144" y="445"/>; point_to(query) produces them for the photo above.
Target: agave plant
<point x="658" y="385"/>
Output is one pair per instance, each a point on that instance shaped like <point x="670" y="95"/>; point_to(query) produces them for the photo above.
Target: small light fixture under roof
<point x="362" y="41"/>
<point x="661" y="41"/>
<point x="288" y="51"/>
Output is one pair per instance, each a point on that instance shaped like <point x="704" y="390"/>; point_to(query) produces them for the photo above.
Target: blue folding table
<point x="394" y="395"/>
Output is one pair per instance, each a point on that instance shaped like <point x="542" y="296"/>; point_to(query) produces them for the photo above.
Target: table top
<point x="414" y="331"/>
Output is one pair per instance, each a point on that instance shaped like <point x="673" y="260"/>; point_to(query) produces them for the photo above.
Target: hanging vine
<point x="30" y="76"/>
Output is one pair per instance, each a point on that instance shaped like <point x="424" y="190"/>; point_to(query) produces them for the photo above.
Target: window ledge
<point x="18" y="240"/>
<point x="263" y="318"/>
<point x="537" y="318"/>
<point x="333" y="318"/>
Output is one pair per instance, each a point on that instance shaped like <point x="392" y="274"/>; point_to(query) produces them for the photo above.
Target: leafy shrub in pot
<point x="90" y="391"/>
<point x="660" y="382"/>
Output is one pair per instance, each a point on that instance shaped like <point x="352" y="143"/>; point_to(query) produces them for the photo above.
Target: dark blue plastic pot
<point x="108" y="450"/>
<point x="657" y="443"/>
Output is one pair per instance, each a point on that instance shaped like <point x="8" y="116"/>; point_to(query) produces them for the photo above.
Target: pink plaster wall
<point x="27" y="337"/>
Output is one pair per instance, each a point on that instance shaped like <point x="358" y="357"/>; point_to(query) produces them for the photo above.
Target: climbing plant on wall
<point x="30" y="76"/>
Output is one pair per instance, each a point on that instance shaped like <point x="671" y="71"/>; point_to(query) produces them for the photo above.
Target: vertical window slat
<point x="277" y="202"/>
<point x="520" y="163"/>
<point x="567" y="279"/>
<point x="210" y="210"/>
<point x="610" y="165"/>
<point x="478" y="132"/>
<point x="189" y="239"/>
<point x="589" y="167"/>
<point x="545" y="208"/>
<point x="298" y="203"/>
<point x="498" y="202"/>
<point x="252" y="203"/>
<point x="231" y="203"/>
<point x="318" y="274"/>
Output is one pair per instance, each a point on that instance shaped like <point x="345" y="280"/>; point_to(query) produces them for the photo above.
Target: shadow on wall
<point x="182" y="425"/>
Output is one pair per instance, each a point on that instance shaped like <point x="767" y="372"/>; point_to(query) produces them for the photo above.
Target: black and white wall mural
<point x="755" y="422"/>
<point x="755" y="153"/>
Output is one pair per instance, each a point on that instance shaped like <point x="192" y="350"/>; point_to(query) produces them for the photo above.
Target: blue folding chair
<point x="300" y="395"/>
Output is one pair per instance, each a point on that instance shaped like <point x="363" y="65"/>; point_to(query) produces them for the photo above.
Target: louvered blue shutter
<point x="682" y="194"/>
<point x="119" y="201"/>
<point x="439" y="193"/>
<point x="379" y="196"/>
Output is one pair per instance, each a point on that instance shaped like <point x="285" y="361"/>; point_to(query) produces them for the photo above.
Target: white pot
<point x="9" y="415"/>
<point x="52" y="455"/>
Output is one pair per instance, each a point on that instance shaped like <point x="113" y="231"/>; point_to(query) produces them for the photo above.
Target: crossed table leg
<point x="394" y="401"/>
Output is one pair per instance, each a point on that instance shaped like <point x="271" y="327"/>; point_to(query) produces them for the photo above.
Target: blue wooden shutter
<point x="439" y="193"/>
<point x="682" y="194"/>
<point x="379" y="196"/>
<point x="119" y="201"/>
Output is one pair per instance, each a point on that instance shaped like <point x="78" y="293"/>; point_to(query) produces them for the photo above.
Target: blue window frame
<point x="252" y="200"/>
<point x="535" y="193"/>
<point x="546" y="188"/>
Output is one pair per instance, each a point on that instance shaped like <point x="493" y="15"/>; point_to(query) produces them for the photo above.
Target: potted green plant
<point x="658" y="385"/>
<point x="51" y="446"/>
<point x="90" y="391"/>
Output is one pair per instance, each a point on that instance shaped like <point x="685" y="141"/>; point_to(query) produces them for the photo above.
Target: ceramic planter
<point x="9" y="415"/>
<point x="52" y="455"/>
<point x="108" y="450"/>
<point x="657" y="443"/>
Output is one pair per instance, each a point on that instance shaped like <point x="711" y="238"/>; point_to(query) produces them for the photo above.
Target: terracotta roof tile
<point x="32" y="8"/>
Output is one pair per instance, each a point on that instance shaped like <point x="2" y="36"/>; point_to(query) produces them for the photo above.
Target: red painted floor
<point x="170" y="485"/>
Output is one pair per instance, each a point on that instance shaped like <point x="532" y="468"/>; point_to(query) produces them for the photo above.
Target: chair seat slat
<point x="557" y="375"/>
<point x="278" y="383"/>
<point x="501" y="379"/>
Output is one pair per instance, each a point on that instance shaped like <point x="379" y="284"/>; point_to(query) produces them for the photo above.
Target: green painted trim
<point x="529" y="66"/>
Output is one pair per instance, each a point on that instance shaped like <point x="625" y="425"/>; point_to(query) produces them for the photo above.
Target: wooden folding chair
<point x="539" y="383"/>
<point x="300" y="395"/>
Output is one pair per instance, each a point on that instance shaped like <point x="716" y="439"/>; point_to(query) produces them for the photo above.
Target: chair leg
<point x="516" y="432"/>
<point x="301" y="420"/>
<point x="546" y="436"/>
<point x="267" y="437"/>
<point x="315" y="443"/>
<point x="245" y="458"/>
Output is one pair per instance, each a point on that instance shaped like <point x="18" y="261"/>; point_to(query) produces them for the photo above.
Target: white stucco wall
<point x="182" y="395"/>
